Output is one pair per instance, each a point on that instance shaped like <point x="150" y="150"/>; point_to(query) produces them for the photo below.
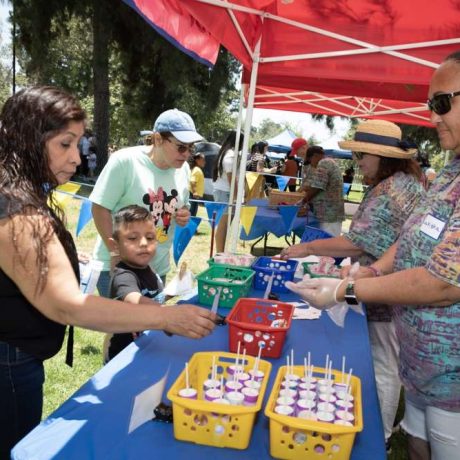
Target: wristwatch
<point x="350" y="296"/>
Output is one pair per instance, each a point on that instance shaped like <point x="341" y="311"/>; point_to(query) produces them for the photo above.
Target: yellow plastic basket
<point x="295" y="438"/>
<point x="208" y="423"/>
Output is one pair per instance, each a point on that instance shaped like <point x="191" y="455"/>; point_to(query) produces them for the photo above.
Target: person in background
<point x="420" y="276"/>
<point x="291" y="168"/>
<point x="395" y="189"/>
<point x="222" y="179"/>
<point x="156" y="177"/>
<point x="92" y="163"/>
<point x="197" y="164"/>
<point x="323" y="190"/>
<point x="134" y="238"/>
<point x="299" y="148"/>
<point x="40" y="128"/>
<point x="349" y="175"/>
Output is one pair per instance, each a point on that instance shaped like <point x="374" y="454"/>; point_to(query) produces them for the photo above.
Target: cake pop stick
<point x="348" y="380"/>
<point x="215" y="302"/>
<point x="213" y="369"/>
<point x="292" y="361"/>
<point x="343" y="369"/>
<point x="243" y="360"/>
<point x="269" y="285"/>
<point x="187" y="381"/>
<point x="326" y="367"/>
<point x="256" y="364"/>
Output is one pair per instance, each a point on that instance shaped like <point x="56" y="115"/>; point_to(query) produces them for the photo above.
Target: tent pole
<point x="234" y="170"/>
<point x="244" y="153"/>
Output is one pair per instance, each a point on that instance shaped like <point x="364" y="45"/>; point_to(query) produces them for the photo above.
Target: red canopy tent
<point x="414" y="113"/>
<point x="382" y="50"/>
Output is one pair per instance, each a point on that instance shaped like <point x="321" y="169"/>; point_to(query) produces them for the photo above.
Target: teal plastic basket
<point x="233" y="283"/>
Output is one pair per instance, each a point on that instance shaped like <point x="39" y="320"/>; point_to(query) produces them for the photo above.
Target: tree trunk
<point x="101" y="119"/>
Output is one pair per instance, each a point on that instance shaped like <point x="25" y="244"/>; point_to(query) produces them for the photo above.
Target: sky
<point x="300" y="122"/>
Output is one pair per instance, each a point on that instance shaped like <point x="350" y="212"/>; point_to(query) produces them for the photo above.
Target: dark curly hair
<point x="28" y="120"/>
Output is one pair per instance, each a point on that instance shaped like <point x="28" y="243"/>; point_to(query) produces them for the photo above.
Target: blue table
<point x="269" y="220"/>
<point x="93" y="423"/>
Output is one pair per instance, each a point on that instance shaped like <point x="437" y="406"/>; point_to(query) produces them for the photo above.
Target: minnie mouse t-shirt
<point x="130" y="177"/>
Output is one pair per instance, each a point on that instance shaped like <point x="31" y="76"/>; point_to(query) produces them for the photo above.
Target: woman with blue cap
<point x="154" y="176"/>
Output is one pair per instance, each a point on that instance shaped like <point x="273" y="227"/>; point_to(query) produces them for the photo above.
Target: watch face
<point x="350" y="297"/>
<point x="351" y="300"/>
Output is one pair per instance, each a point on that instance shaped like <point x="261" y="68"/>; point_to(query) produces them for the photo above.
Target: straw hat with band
<point x="379" y="137"/>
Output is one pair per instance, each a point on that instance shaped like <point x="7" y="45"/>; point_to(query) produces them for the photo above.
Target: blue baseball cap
<point x="179" y="124"/>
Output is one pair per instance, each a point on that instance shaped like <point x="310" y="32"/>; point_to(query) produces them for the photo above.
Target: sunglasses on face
<point x="441" y="103"/>
<point x="182" y="148"/>
<point x="357" y="155"/>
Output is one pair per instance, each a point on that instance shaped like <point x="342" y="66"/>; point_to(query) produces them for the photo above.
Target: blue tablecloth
<point x="269" y="220"/>
<point x="93" y="423"/>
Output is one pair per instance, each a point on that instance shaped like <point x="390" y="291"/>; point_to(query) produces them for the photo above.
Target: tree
<point x="126" y="54"/>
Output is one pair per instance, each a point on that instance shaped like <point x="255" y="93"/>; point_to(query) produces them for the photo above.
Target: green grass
<point x="62" y="381"/>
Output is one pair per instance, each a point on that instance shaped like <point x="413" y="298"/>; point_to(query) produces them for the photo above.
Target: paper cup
<point x="327" y="417"/>
<point x="231" y="385"/>
<point x="211" y="383"/>
<point x="284" y="410"/>
<point x="327" y="397"/>
<point x="243" y="377"/>
<point x="212" y="394"/>
<point x="285" y="392"/>
<point x="189" y="393"/>
<point x="307" y="415"/>
<point x="341" y="404"/>
<point x="344" y="415"/>
<point x="306" y="386"/>
<point x="345" y="396"/>
<point x="231" y="369"/>
<point x="307" y="394"/>
<point x="305" y="404"/>
<point x="258" y="375"/>
<point x="250" y="396"/>
<point x="326" y="407"/>
<point x="235" y="398"/>
<point x="285" y="401"/>
<point x="252" y="384"/>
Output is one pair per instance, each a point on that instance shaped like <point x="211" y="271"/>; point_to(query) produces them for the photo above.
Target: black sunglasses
<point x="440" y="103"/>
<point x="182" y="148"/>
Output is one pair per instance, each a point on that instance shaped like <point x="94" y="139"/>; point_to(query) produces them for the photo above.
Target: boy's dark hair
<point x="314" y="150"/>
<point x="128" y="214"/>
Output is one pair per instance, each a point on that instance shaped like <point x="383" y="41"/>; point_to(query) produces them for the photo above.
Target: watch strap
<point x="350" y="296"/>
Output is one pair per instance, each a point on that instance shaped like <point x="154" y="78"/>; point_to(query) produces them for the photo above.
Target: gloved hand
<point x="318" y="292"/>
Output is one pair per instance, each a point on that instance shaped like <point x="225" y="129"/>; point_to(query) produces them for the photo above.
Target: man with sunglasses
<point x="155" y="177"/>
<point x="420" y="276"/>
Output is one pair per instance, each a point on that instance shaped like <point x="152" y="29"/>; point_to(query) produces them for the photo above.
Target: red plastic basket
<point x="259" y="322"/>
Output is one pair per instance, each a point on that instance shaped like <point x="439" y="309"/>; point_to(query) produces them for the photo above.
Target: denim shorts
<point x="440" y="428"/>
<point x="21" y="395"/>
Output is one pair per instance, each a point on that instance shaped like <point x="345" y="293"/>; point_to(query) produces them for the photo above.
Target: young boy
<point x="134" y="239"/>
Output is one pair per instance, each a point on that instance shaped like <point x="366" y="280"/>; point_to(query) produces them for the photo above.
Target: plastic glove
<point x="318" y="292"/>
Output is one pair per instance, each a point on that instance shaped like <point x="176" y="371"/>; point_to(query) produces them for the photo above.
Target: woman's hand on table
<point x="295" y="251"/>
<point x="188" y="320"/>
<point x="318" y="292"/>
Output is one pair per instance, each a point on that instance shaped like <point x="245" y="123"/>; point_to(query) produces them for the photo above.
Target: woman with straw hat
<point x="421" y="278"/>
<point x="395" y="188"/>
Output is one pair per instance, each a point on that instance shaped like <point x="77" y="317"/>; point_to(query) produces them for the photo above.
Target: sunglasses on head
<point x="357" y="155"/>
<point x="441" y="103"/>
<point x="182" y="148"/>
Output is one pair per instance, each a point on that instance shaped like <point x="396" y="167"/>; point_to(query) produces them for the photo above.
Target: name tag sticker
<point x="432" y="226"/>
